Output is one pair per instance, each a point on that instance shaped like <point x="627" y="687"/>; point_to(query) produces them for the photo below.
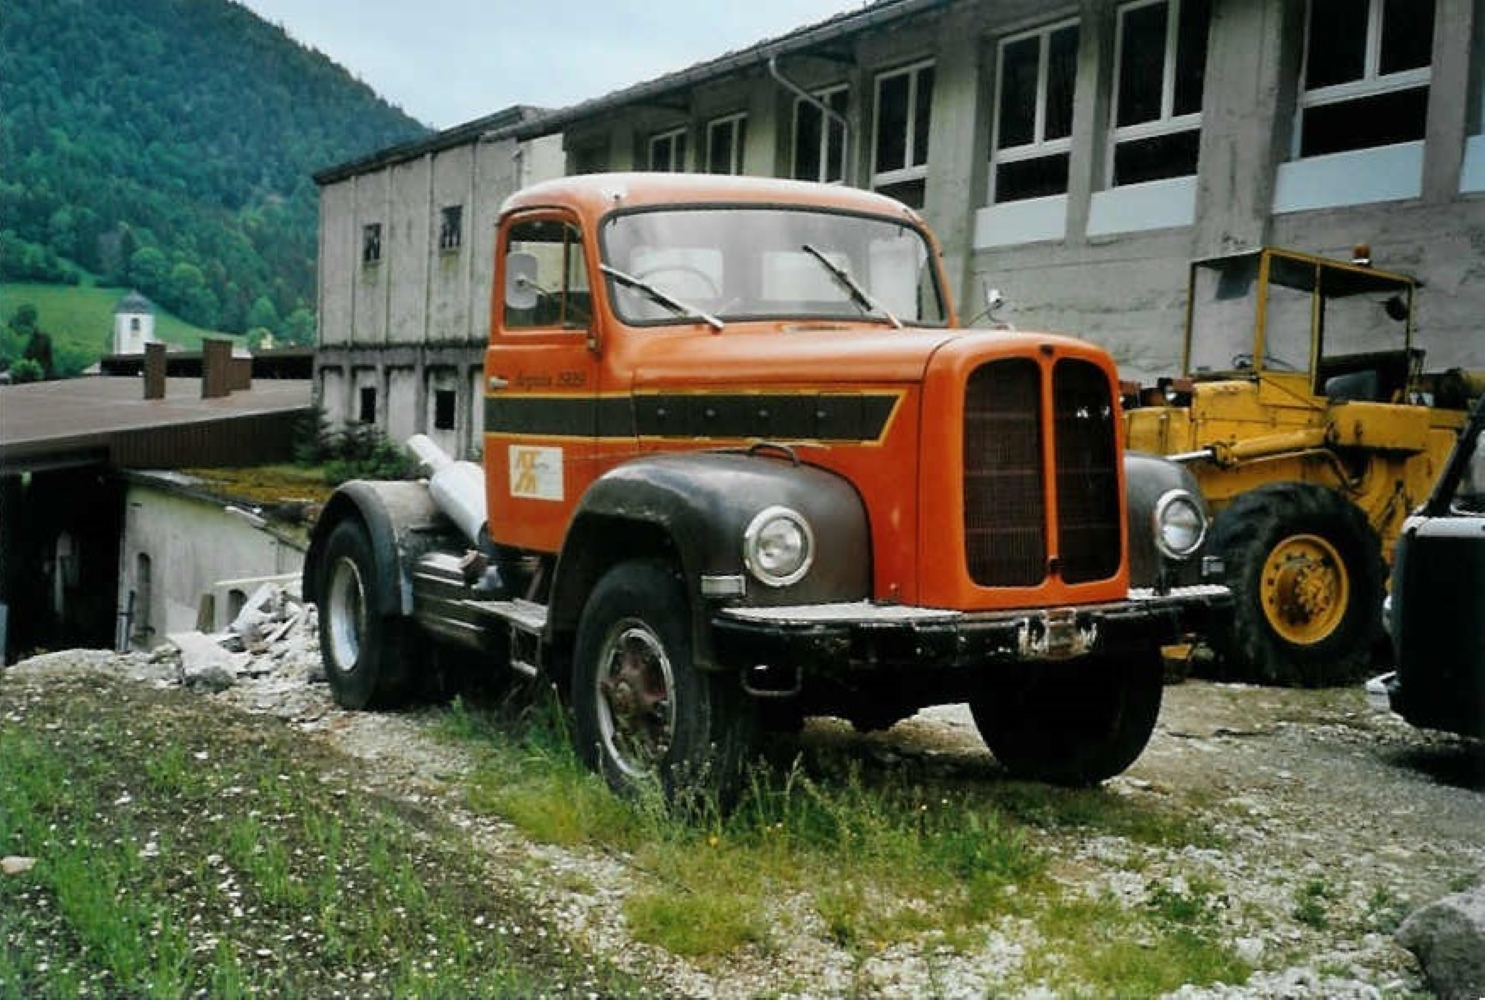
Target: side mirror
<point x="521" y="290"/>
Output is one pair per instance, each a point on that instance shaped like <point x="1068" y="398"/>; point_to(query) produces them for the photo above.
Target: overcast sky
<point x="449" y="61"/>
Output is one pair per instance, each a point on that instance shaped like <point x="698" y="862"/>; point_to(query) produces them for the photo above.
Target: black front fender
<point x="693" y="510"/>
<point x="1147" y="478"/>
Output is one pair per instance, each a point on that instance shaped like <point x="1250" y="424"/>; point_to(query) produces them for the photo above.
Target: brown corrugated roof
<point x="72" y="421"/>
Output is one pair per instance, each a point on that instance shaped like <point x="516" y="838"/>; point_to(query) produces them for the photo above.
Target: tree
<point x="186" y="293"/>
<point x="262" y="314"/>
<point x="23" y="320"/>
<point x="39" y="351"/>
<point x="299" y="328"/>
<point x="146" y="271"/>
<point x="26" y="370"/>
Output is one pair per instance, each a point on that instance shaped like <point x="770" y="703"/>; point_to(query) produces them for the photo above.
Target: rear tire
<point x="642" y="712"/>
<point x="1306" y="574"/>
<point x="1072" y="723"/>
<point x="362" y="649"/>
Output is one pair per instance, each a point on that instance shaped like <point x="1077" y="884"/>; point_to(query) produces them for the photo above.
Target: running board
<point x="527" y="622"/>
<point x="447" y="605"/>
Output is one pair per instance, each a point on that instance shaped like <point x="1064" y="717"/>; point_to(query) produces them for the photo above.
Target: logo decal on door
<point x="535" y="473"/>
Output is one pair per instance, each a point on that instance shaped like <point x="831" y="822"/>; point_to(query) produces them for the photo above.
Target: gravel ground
<point x="1317" y="801"/>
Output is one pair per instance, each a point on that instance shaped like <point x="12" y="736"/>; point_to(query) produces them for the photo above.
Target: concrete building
<point x="1077" y="154"/>
<point x="406" y="257"/>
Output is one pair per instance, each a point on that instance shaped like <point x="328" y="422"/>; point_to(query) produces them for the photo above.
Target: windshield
<point x="1354" y="311"/>
<point x="742" y="262"/>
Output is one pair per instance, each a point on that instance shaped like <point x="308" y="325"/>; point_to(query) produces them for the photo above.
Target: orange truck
<point x="740" y="466"/>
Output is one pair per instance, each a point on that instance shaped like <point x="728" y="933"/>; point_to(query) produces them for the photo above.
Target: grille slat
<point x="1004" y="506"/>
<point x="1088" y="508"/>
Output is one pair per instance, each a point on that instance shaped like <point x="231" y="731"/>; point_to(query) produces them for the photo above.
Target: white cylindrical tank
<point x="457" y="487"/>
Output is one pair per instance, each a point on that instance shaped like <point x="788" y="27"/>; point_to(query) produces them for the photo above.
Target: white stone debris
<point x="273" y="642"/>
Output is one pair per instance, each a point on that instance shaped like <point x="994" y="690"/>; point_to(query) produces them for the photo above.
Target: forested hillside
<point x="168" y="145"/>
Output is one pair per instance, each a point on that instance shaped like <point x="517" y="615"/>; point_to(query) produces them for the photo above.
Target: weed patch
<point x="178" y="855"/>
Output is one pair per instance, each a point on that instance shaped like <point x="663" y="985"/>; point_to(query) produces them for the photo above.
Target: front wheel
<point x="1075" y="722"/>
<point x="363" y="650"/>
<point x="1306" y="574"/>
<point x="642" y="713"/>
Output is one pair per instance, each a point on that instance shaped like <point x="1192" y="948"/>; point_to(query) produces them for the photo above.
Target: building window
<point x="443" y="409"/>
<point x="371" y="243"/>
<point x="451" y="227"/>
<point x="1162" y="58"/>
<point x="1034" y="108"/>
<point x="725" y="139"/>
<point x="368" y="405"/>
<point x="668" y="151"/>
<point x="820" y="144"/>
<point x="900" y="138"/>
<point x="1366" y="75"/>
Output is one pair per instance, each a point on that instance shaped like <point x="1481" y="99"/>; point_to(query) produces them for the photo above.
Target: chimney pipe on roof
<point x="154" y="371"/>
<point x="216" y="368"/>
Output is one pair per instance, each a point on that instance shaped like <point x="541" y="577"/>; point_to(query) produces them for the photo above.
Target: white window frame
<point x="676" y="140"/>
<point x="1040" y="145"/>
<point x="736" y="127"/>
<point x="1373" y="82"/>
<point x="828" y="128"/>
<point x="1169" y="123"/>
<point x="911" y="170"/>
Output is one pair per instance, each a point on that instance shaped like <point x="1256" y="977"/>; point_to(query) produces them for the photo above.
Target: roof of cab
<point x="594" y="195"/>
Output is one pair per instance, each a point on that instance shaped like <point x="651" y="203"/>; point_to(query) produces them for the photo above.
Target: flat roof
<point x="524" y="122"/>
<point x="106" y="419"/>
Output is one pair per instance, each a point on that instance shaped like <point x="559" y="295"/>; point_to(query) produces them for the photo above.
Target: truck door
<point x="541" y="381"/>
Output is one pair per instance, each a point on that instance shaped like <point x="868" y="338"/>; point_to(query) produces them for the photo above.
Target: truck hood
<point x="797" y="354"/>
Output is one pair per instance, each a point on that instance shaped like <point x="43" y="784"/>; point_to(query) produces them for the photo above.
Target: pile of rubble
<point x="267" y="660"/>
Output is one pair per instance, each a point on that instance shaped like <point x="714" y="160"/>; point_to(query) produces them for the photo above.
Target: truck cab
<point x="741" y="466"/>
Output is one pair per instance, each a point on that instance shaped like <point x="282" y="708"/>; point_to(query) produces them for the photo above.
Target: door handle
<point x="497" y="382"/>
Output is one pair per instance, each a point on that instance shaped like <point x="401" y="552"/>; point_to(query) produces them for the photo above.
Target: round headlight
<point x="778" y="547"/>
<point x="1180" y="524"/>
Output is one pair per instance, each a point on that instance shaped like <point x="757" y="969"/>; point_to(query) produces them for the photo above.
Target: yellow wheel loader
<point x="1305" y="415"/>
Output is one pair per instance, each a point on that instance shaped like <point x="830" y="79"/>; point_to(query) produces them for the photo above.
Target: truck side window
<point x="546" y="277"/>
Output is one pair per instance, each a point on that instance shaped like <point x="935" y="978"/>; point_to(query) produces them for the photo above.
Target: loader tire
<point x="1306" y="573"/>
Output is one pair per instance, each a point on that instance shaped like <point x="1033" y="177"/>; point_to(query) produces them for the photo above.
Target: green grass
<point x="180" y="850"/>
<point x="869" y="858"/>
<point x="79" y="318"/>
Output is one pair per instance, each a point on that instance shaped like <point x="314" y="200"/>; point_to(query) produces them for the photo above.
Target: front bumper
<point x="864" y="636"/>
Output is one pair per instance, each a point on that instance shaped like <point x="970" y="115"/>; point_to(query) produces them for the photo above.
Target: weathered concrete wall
<point x="188" y="544"/>
<point x="423" y="308"/>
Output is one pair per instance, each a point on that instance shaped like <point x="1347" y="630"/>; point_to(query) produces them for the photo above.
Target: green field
<point x="80" y="319"/>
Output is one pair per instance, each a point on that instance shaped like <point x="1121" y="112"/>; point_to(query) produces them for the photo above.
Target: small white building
<point x="133" y="324"/>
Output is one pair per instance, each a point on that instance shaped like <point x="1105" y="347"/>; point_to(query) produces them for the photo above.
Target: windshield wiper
<point x="858" y="294"/>
<point x="675" y="305"/>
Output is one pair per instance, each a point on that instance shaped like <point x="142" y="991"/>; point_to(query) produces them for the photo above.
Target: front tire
<point x="642" y="713"/>
<point x="362" y="649"/>
<point x="1306" y="574"/>
<point x="1072" y="723"/>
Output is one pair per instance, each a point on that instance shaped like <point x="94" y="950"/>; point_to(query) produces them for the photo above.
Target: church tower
<point x="133" y="324"/>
